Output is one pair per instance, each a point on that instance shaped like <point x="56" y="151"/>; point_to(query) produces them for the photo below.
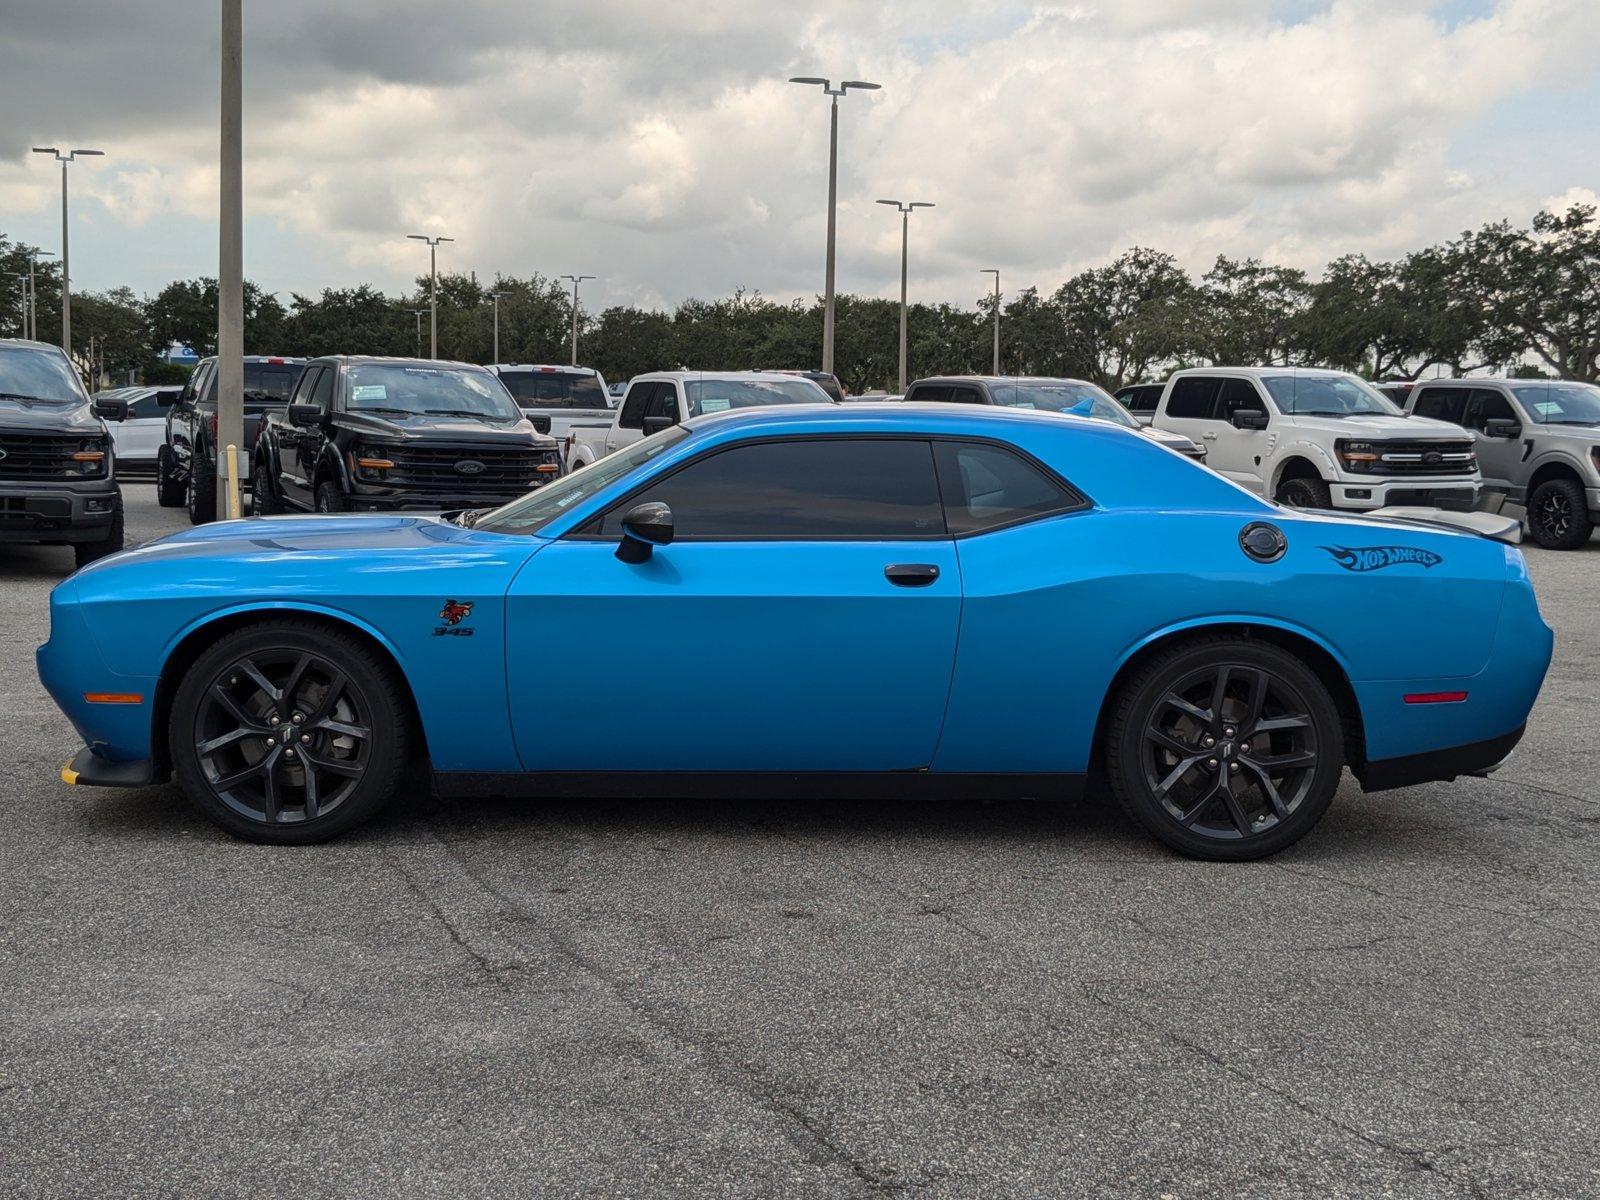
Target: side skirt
<point x="777" y="785"/>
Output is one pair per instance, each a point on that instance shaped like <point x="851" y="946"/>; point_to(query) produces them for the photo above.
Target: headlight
<point x="1357" y="456"/>
<point x="371" y="462"/>
<point x="91" y="456"/>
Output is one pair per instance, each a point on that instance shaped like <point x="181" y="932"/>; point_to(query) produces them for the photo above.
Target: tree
<point x="110" y="333"/>
<point x="185" y="313"/>
<point x="358" y="320"/>
<point x="627" y="341"/>
<point x="1119" y="320"/>
<point x="1248" y="313"/>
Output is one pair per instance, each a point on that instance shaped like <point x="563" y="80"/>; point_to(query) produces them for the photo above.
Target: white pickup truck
<point x="556" y="398"/>
<point x="662" y="399"/>
<point x="1319" y="439"/>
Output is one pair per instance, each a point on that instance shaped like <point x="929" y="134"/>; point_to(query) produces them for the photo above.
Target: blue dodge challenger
<point x="904" y="598"/>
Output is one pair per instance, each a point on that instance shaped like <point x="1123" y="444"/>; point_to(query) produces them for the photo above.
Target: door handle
<point x="911" y="574"/>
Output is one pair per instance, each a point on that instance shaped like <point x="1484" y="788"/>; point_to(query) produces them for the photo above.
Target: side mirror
<point x="110" y="409"/>
<point x="657" y="424"/>
<point x="1249" y="418"/>
<point x="1501" y="427"/>
<point x="645" y="527"/>
<point x="307" y="416"/>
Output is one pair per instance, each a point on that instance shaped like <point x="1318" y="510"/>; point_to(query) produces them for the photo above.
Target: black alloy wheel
<point x="1226" y="749"/>
<point x="1305" y="493"/>
<point x="328" y="498"/>
<point x="288" y="732"/>
<point x="201" y="491"/>
<point x="1558" y="515"/>
<point x="170" y="492"/>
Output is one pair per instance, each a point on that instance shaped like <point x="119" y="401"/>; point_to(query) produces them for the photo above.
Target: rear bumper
<point x="56" y="512"/>
<point x="1474" y="758"/>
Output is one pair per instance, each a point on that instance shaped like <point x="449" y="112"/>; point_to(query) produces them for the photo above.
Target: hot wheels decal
<point x="1375" y="558"/>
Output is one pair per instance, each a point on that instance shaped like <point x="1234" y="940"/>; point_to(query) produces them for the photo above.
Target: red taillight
<point x="275" y="360"/>
<point x="1435" y="697"/>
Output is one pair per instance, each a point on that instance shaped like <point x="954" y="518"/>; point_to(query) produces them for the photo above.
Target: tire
<point x="329" y="498"/>
<point x="1161" y="718"/>
<point x="264" y="498"/>
<point x="170" y="492"/>
<point x="241" y="757"/>
<point x="200" y="495"/>
<point x="1304" y="493"/>
<point x="1558" y="515"/>
<point x="87" y="552"/>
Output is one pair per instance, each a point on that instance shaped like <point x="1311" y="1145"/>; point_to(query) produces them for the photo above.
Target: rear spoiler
<point x="1484" y="524"/>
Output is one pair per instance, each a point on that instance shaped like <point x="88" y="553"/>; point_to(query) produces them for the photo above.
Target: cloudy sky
<point x="656" y="144"/>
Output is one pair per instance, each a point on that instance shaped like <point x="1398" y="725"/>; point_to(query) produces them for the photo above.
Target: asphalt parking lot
<point x="801" y="999"/>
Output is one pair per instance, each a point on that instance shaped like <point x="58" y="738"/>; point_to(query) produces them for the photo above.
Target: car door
<point x="181" y="421"/>
<point x="804" y="619"/>
<point x="1499" y="459"/>
<point x="629" y="425"/>
<point x="1232" y="452"/>
<point x="1190" y="409"/>
<point x="292" y="483"/>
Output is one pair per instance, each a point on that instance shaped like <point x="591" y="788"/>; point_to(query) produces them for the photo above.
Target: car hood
<point x="1588" y="435"/>
<point x="445" y="429"/>
<point x="44" y="418"/>
<point x="1378" y="428"/>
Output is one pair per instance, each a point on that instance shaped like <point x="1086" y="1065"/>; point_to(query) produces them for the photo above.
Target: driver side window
<point x="322" y="390"/>
<point x="1485" y="405"/>
<point x="1238" y="394"/>
<point x="663" y="403"/>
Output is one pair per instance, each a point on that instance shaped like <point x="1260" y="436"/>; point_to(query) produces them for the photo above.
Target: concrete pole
<point x="833" y="203"/>
<point x="574" y="322"/>
<point x="905" y="235"/>
<point x="230" y="259"/>
<point x="433" y="300"/>
<point x="66" y="289"/>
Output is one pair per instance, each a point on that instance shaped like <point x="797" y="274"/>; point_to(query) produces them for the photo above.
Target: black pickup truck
<point x="186" y="466"/>
<point x="58" y="481"/>
<point x="371" y="434"/>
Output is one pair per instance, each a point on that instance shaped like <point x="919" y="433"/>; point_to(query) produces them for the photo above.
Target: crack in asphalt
<point x="496" y="975"/>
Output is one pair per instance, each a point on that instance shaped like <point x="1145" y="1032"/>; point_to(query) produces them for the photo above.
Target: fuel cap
<point x="1263" y="542"/>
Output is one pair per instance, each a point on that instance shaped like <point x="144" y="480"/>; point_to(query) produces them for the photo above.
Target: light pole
<point x="433" y="289"/>
<point x="575" y="281"/>
<point x="995" y="271"/>
<point x="66" y="290"/>
<point x="418" y="313"/>
<point x="230" y="262"/>
<point x="495" y="296"/>
<point x="905" y="235"/>
<point x="833" y="94"/>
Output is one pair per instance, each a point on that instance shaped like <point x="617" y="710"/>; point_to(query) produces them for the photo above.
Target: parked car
<point x="912" y="599"/>
<point x="615" y="390"/>
<point x="1538" y="445"/>
<point x="557" y="398"/>
<point x="1396" y="391"/>
<point x="140" y="435"/>
<point x="826" y="380"/>
<point x="186" y="465"/>
<point x="386" y="434"/>
<point x="1319" y="439"/>
<point x="1140" y="399"/>
<point x="663" y="398"/>
<point x="1071" y="397"/>
<point x="58" y="478"/>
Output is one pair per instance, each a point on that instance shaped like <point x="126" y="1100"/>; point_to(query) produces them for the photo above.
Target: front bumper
<point x="1457" y="493"/>
<point x="48" y="511"/>
<point x="366" y="497"/>
<point x="88" y="769"/>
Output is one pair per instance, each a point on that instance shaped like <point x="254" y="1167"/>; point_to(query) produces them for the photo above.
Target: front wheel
<point x="169" y="490"/>
<point x="329" y="498"/>
<point x="1304" y="493"/>
<point x="264" y="498"/>
<point x="201" y="494"/>
<point x="1225" y="748"/>
<point x="1558" y="515"/>
<point x="288" y="732"/>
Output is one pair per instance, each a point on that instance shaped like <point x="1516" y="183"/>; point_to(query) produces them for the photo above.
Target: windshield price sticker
<point x="369" y="391"/>
<point x="717" y="404"/>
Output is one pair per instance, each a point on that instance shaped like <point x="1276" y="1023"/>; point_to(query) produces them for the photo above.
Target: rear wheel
<point x="1558" y="515"/>
<point x="201" y="493"/>
<point x="288" y="732"/>
<point x="1304" y="493"/>
<point x="264" y="498"/>
<point x="1225" y="748"/>
<point x="329" y="498"/>
<point x="169" y="490"/>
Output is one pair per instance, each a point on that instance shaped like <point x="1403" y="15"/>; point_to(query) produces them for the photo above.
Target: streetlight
<point x="495" y="296"/>
<point x="575" y="280"/>
<point x="905" y="233"/>
<point x="433" y="292"/>
<point x="418" y="312"/>
<point x="995" y="271"/>
<point x="833" y="196"/>
<point x="66" y="290"/>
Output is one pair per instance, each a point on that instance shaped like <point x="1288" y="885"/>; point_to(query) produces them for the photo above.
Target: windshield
<point x="554" y="389"/>
<point x="719" y="395"/>
<point x="270" y="383"/>
<point x="433" y="391"/>
<point x="1327" y="396"/>
<point x="1063" y="395"/>
<point x="535" y="510"/>
<point x="1560" y="403"/>
<point x="30" y="376"/>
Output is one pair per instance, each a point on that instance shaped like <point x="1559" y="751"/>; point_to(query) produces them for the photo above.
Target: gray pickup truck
<point x="1538" y="445"/>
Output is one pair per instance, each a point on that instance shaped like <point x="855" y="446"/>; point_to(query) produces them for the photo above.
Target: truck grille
<point x="1424" y="458"/>
<point x="48" y="456"/>
<point x="471" y="469"/>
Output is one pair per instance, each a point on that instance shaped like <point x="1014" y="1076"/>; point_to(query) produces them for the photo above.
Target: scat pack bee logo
<point x="453" y="614"/>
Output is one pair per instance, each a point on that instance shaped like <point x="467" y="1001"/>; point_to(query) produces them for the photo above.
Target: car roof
<point x="1001" y="379"/>
<point x="896" y="416"/>
<point x="1478" y="380"/>
<point x="553" y="367"/>
<point x="390" y="360"/>
<point x="1261" y="372"/>
<point x="721" y="376"/>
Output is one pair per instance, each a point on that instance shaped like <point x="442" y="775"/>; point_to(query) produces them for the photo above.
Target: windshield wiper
<point x="378" y="408"/>
<point x="465" y="412"/>
<point x="31" y="399"/>
<point x="1320" y="413"/>
<point x="1594" y="422"/>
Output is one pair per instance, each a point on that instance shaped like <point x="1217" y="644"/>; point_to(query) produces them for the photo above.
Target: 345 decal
<point x="453" y="614"/>
<point x="1376" y="558"/>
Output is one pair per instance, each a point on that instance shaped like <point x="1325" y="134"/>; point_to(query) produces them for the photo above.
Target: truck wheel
<point x="288" y="732"/>
<point x="1558" y="515"/>
<point x="169" y="491"/>
<point x="1304" y="493"/>
<point x="1224" y="748"/>
<point x="264" y="499"/>
<point x="87" y="552"/>
<point x="329" y="498"/>
<point x="201" y="493"/>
